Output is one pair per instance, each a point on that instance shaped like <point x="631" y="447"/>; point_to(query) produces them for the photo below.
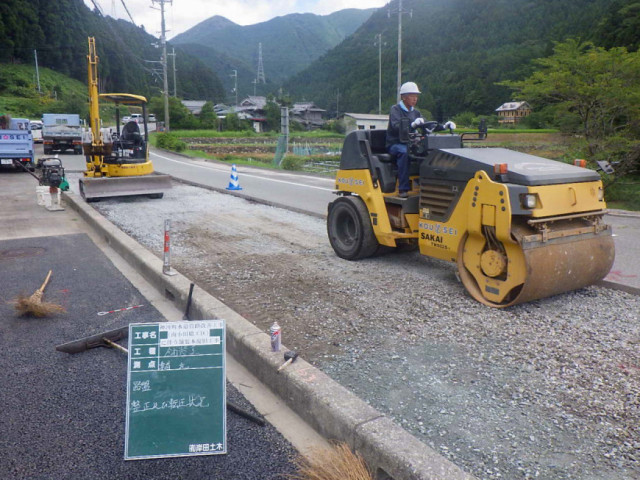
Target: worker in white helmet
<point x="406" y="109"/>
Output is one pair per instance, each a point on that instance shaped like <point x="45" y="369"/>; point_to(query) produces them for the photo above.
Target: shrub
<point x="170" y="141"/>
<point x="292" y="162"/>
<point x="466" y="119"/>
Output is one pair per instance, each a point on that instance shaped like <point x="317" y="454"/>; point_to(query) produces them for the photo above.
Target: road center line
<point x="244" y="174"/>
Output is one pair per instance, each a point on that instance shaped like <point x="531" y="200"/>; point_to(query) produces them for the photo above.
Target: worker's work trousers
<point x="399" y="153"/>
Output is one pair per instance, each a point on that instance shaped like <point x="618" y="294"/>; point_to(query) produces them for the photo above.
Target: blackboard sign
<point x="176" y="395"/>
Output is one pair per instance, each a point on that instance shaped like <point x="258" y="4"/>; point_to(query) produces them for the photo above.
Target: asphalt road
<point x="62" y="415"/>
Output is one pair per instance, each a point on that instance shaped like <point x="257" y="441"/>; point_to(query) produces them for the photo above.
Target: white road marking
<point x="244" y="174"/>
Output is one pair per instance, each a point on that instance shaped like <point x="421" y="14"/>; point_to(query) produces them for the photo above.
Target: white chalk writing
<point x="191" y="401"/>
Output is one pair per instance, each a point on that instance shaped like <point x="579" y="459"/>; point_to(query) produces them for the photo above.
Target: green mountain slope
<point x="223" y="65"/>
<point x="58" y="30"/>
<point x="455" y="50"/>
<point x="289" y="43"/>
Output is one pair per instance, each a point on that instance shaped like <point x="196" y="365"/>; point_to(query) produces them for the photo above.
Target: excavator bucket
<point x="153" y="186"/>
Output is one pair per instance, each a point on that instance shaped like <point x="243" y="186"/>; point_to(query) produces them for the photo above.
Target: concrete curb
<point x="618" y="286"/>
<point x="328" y="407"/>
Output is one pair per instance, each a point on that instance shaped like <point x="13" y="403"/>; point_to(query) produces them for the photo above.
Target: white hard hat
<point x="409" y="87"/>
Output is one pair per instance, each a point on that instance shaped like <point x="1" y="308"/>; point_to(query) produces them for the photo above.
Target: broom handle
<point x="46" y="280"/>
<point x="115" y="345"/>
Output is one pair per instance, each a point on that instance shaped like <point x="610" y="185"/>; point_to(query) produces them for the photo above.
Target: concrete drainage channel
<point x="329" y="408"/>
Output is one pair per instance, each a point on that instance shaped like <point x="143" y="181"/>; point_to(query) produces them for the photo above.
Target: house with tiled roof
<point x="307" y="114"/>
<point x="513" y="112"/>
<point x="194" y="106"/>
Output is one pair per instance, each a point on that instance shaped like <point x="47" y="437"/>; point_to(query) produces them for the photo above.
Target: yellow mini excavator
<point x="519" y="227"/>
<point x="117" y="162"/>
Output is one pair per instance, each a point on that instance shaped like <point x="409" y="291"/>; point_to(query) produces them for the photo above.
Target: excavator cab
<point x="130" y="143"/>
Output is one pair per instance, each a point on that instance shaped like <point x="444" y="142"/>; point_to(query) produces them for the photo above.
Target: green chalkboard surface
<point x="176" y="395"/>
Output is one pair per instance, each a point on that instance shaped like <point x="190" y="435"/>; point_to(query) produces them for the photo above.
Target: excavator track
<point x="539" y="262"/>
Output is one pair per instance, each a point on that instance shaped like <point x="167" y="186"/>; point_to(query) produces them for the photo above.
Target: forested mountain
<point x="455" y="50"/>
<point x="224" y="65"/>
<point x="621" y="26"/>
<point x="58" y="31"/>
<point x="289" y="43"/>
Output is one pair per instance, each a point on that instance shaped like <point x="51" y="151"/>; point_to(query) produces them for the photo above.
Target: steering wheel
<point x="429" y="127"/>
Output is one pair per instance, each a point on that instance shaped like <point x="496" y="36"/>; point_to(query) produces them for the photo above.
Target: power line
<point x="127" y="10"/>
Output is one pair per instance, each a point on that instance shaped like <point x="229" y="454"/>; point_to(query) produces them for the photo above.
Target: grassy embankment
<point x="19" y="96"/>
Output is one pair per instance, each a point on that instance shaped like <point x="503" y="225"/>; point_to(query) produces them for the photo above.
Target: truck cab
<point x="16" y="142"/>
<point x="61" y="132"/>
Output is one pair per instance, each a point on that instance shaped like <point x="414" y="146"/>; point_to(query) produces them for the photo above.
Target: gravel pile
<point x="548" y="389"/>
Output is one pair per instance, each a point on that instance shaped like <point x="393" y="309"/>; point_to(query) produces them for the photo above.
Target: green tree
<point x="272" y="114"/>
<point x="208" y="116"/>
<point x="179" y="115"/>
<point x="600" y="87"/>
<point x="232" y="122"/>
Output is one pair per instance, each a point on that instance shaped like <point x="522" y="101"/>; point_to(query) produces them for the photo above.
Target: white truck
<point x="16" y="142"/>
<point x="61" y="132"/>
<point x="134" y="117"/>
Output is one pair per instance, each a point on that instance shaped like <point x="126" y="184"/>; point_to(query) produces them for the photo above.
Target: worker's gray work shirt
<point x="397" y="113"/>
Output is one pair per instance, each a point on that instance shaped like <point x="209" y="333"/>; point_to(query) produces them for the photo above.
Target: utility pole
<point x="255" y="82"/>
<point x="400" y="12"/>
<point x="163" y="41"/>
<point x="235" y="87"/>
<point x="379" y="41"/>
<point x="399" y="82"/>
<point x="175" y="84"/>
<point x="35" y="53"/>
<point x="337" y="103"/>
<point x="260" y="75"/>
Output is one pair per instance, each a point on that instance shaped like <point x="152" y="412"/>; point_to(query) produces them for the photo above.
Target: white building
<point x="364" y="121"/>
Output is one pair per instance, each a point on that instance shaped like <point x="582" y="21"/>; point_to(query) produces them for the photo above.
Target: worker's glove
<point x="450" y="125"/>
<point x="417" y="122"/>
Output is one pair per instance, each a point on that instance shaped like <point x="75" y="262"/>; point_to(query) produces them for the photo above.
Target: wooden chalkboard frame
<point x="176" y="390"/>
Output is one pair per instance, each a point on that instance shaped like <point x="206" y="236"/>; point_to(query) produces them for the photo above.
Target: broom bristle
<point x="336" y="463"/>
<point x="30" y="306"/>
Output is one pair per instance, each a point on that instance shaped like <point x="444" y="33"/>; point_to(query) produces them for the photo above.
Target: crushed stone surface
<point x="545" y="390"/>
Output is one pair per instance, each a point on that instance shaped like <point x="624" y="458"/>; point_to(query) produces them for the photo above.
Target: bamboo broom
<point x="34" y="306"/>
<point x="335" y="463"/>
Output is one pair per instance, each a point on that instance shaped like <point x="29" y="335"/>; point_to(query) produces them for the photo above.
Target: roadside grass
<point x="252" y="134"/>
<point x="624" y="194"/>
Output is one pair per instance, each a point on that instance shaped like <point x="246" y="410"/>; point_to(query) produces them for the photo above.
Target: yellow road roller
<point x="518" y="226"/>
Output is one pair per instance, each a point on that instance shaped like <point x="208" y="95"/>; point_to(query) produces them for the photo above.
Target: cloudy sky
<point x="181" y="15"/>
